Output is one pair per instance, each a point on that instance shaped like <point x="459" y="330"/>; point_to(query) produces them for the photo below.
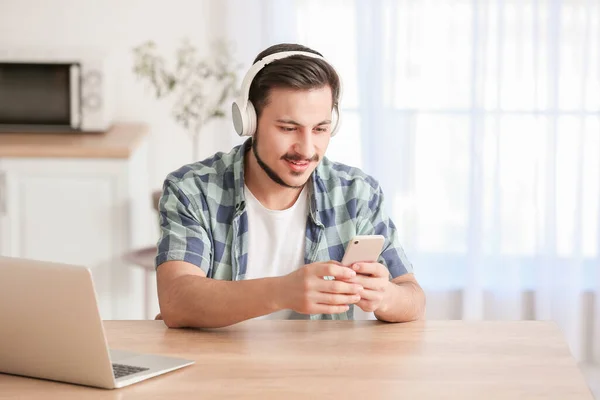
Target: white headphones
<point x="242" y="109"/>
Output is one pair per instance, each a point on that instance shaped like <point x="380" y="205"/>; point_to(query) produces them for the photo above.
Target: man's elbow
<point x="170" y="311"/>
<point x="172" y="322"/>
<point x="171" y="318"/>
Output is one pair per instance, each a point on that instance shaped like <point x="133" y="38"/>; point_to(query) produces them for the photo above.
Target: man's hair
<point x="295" y="72"/>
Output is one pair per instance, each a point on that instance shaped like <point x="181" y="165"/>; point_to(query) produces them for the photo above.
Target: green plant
<point x="199" y="88"/>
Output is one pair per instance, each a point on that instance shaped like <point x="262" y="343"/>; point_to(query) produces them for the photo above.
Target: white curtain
<point x="481" y="120"/>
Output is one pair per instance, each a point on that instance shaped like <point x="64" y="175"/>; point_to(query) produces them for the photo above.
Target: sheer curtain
<point x="481" y="121"/>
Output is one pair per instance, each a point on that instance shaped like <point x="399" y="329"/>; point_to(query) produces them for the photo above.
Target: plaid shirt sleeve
<point x="183" y="236"/>
<point x="376" y="222"/>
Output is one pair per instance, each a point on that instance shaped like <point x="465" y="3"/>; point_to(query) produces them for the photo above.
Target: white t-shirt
<point x="276" y="240"/>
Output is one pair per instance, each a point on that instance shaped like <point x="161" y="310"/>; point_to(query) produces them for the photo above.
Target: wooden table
<point x="340" y="359"/>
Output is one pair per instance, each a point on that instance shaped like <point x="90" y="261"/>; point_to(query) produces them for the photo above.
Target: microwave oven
<point x="51" y="91"/>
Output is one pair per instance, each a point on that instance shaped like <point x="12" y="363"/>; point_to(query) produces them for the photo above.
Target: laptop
<point x="50" y="328"/>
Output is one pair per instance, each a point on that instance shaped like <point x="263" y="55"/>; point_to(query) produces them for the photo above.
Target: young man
<point x="259" y="231"/>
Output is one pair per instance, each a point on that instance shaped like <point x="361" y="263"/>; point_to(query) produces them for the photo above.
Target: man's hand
<point x="374" y="278"/>
<point x="306" y="292"/>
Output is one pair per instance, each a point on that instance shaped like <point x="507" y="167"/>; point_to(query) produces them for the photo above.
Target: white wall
<point x="117" y="26"/>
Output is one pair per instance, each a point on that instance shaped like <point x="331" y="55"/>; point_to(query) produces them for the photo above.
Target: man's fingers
<point x="368" y="294"/>
<point x="369" y="282"/>
<point x="325" y="309"/>
<point x="361" y="280"/>
<point x="336" y="270"/>
<point x="336" y="299"/>
<point x="373" y="269"/>
<point x="338" y="286"/>
<point x="366" y="305"/>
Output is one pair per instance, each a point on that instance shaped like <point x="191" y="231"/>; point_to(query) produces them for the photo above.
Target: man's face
<point x="293" y="133"/>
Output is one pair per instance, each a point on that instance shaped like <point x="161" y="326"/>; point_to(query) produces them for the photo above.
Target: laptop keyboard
<point x="121" y="370"/>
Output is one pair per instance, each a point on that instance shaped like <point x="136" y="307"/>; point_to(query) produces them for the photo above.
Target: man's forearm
<point x="199" y="302"/>
<point x="402" y="302"/>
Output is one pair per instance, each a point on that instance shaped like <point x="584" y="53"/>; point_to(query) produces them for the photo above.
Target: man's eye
<point x="287" y="129"/>
<point x="321" y="129"/>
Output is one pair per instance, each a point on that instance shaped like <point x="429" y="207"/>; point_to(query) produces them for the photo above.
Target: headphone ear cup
<point x="238" y="118"/>
<point x="250" y="127"/>
<point x="244" y="122"/>
<point x="335" y="121"/>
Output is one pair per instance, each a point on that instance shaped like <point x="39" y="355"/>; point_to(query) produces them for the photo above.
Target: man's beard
<point x="272" y="174"/>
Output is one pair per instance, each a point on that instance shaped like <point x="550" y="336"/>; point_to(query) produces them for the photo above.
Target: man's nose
<point x="304" y="143"/>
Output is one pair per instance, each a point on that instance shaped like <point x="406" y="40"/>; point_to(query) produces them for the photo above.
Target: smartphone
<point x="366" y="248"/>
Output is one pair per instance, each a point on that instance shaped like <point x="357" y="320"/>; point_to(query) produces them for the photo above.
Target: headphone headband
<point x="243" y="111"/>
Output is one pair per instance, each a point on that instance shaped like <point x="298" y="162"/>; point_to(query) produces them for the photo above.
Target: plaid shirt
<point x="203" y="219"/>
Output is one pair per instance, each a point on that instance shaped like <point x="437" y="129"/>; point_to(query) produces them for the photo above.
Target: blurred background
<point x="480" y="119"/>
